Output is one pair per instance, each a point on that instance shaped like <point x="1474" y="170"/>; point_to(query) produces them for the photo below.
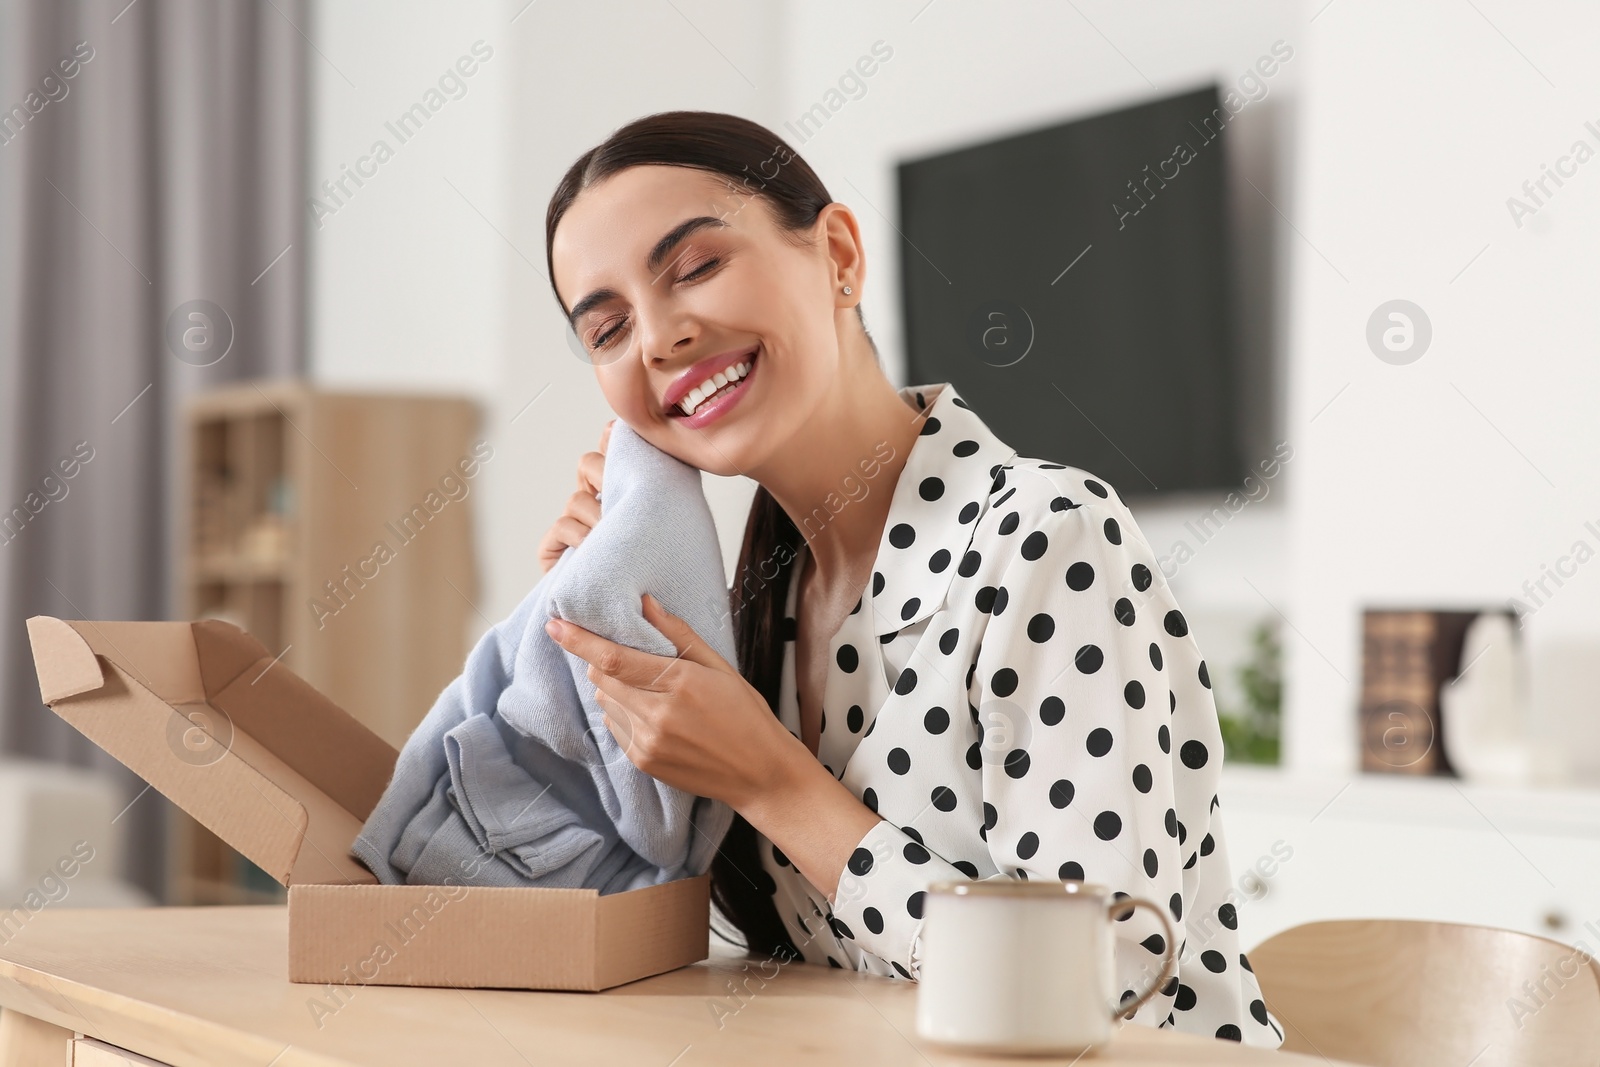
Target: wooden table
<point x="207" y="987"/>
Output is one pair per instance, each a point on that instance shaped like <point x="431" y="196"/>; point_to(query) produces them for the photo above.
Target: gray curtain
<point x="152" y="156"/>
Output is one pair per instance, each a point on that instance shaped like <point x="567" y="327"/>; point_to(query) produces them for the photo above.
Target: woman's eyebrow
<point x="652" y="262"/>
<point x="670" y="239"/>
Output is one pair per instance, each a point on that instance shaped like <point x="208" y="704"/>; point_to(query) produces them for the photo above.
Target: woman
<point x="957" y="662"/>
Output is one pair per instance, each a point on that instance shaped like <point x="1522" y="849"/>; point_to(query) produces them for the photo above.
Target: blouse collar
<point x="942" y="490"/>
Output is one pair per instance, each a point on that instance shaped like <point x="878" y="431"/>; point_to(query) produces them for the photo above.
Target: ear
<point x="846" y="254"/>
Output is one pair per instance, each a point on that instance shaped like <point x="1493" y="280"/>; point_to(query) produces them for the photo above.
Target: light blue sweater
<point x="513" y="779"/>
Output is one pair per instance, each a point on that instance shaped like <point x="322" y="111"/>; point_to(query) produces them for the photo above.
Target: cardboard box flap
<point x="150" y="711"/>
<point x="225" y="652"/>
<point x="65" y="663"/>
<point x="214" y="662"/>
<point x="333" y="749"/>
<point x="161" y="655"/>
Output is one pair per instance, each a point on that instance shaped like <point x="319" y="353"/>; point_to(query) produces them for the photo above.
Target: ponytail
<point x="740" y="887"/>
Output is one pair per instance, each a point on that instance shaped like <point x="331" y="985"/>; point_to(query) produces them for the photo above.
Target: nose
<point x="664" y="331"/>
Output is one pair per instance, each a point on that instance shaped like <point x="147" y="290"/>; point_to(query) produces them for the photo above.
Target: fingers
<point x="567" y="532"/>
<point x="635" y="669"/>
<point x="570" y="530"/>
<point x="551" y="547"/>
<point x="583" y="507"/>
<point x="591" y="472"/>
<point x="618" y="670"/>
<point x="689" y="644"/>
<point x="618" y="720"/>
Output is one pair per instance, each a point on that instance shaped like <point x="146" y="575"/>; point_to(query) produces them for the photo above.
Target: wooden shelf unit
<point x="337" y="528"/>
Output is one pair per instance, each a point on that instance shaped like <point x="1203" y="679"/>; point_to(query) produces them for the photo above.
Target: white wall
<point x="1454" y="479"/>
<point x="408" y="287"/>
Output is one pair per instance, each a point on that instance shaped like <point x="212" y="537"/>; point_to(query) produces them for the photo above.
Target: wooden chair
<point x="1395" y="993"/>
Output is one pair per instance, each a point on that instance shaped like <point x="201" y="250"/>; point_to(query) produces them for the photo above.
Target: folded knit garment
<point x="513" y="778"/>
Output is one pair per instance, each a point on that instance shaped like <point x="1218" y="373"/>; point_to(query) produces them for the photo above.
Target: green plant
<point x="1251" y="734"/>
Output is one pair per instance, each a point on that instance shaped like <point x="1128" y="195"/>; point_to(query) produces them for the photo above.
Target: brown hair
<point x="744" y="152"/>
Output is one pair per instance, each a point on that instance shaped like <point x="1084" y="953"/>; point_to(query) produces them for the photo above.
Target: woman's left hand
<point x="691" y="721"/>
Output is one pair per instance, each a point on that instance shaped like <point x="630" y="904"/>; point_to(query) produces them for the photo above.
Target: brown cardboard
<point x="205" y="714"/>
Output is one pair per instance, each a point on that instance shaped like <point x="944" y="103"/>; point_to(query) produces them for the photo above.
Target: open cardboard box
<point x="205" y="714"/>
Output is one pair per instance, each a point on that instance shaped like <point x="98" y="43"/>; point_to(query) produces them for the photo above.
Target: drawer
<point x="87" y="1052"/>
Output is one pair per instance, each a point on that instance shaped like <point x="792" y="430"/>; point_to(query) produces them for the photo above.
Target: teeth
<point x="702" y="392"/>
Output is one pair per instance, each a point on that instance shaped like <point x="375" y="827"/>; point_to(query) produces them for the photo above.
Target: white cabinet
<point x="1389" y="847"/>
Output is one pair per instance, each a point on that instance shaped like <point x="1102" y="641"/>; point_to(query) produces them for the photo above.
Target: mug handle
<point x="1168" y="965"/>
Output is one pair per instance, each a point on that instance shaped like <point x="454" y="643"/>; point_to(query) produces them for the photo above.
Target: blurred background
<point x="1309" y="283"/>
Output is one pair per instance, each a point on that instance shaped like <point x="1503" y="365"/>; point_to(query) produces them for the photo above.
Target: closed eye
<point x="700" y="270"/>
<point x="606" y="338"/>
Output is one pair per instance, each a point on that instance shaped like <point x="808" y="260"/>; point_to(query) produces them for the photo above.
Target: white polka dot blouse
<point x="1018" y="695"/>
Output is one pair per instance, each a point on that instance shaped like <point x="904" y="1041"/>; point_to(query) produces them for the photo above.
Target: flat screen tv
<point x="1073" y="283"/>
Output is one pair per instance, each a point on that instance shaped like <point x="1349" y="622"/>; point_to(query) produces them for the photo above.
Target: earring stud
<point x="847" y="290"/>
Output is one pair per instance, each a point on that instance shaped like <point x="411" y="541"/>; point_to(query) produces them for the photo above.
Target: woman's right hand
<point x="583" y="506"/>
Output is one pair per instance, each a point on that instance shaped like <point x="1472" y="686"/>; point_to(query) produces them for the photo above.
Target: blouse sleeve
<point x="879" y="900"/>
<point x="1077" y="666"/>
<point x="1078" y="714"/>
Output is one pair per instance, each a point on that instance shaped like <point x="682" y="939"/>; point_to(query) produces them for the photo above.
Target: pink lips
<point x="700" y="372"/>
<point x="711" y="410"/>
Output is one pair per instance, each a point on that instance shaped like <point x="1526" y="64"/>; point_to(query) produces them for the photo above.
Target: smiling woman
<point x="679" y="230"/>
<point x="979" y="669"/>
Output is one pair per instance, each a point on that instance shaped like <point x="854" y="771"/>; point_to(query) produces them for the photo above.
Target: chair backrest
<point x="1395" y="993"/>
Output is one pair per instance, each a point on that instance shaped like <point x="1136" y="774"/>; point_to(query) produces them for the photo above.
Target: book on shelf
<point x="1406" y="658"/>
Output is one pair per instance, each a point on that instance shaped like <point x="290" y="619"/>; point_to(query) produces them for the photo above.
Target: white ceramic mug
<point x="1025" y="967"/>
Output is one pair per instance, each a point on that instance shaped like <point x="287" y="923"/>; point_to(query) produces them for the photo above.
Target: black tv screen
<point x="1073" y="284"/>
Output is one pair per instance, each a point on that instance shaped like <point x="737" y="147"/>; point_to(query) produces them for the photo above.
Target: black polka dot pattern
<point x="1017" y="694"/>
